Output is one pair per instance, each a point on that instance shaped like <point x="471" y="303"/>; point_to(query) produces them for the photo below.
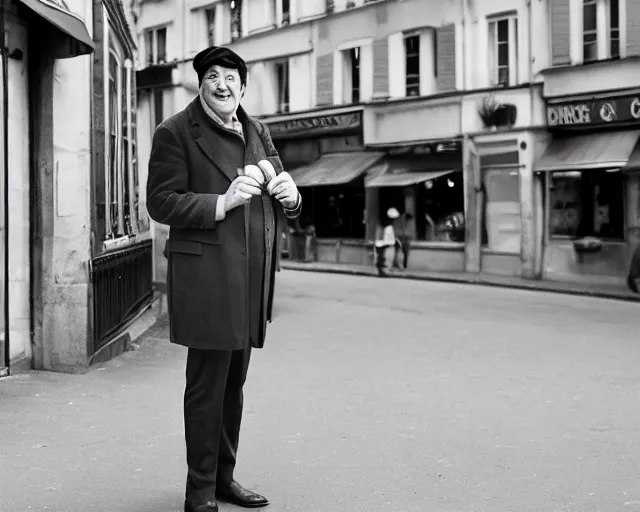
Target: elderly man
<point x="216" y="179"/>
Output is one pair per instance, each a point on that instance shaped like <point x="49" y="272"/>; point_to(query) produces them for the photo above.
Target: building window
<point x="156" y="46"/>
<point x="412" y="60"/>
<point x="354" y="74"/>
<point x="286" y="12"/>
<point x="210" y="21"/>
<point x="503" y="51"/>
<point x="236" y="19"/>
<point x="587" y="203"/>
<point x="282" y="81"/>
<point x="121" y="185"/>
<point x="614" y="28"/>
<point x="601" y="22"/>
<point x="590" y="30"/>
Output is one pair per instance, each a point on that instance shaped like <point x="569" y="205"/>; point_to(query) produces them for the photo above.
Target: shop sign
<point x="319" y="125"/>
<point x="595" y="112"/>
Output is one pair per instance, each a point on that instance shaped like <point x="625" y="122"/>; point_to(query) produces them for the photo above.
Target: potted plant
<point x="494" y="114"/>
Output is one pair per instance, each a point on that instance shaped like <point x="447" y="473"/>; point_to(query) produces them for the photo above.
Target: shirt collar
<point x="235" y="125"/>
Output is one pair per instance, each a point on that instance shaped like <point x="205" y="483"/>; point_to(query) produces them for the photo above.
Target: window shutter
<point x="633" y="27"/>
<point x="324" y="80"/>
<point x="446" y="48"/>
<point x="561" y="32"/>
<point x="381" y="68"/>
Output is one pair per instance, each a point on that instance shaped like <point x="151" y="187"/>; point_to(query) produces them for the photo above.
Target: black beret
<point x="221" y="56"/>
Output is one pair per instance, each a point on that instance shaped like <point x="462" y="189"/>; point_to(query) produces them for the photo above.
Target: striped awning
<point x="384" y="176"/>
<point x="607" y="150"/>
<point x="335" y="168"/>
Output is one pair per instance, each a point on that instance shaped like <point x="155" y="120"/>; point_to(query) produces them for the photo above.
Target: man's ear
<point x="242" y="91"/>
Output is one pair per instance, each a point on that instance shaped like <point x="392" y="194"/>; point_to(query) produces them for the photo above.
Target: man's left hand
<point x="284" y="190"/>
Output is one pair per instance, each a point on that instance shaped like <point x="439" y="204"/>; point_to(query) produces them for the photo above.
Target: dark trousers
<point x="212" y="415"/>
<point x="402" y="244"/>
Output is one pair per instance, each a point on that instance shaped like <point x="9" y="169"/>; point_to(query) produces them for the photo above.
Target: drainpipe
<point x="5" y="171"/>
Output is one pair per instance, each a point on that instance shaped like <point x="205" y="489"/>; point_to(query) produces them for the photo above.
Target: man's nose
<point x="222" y="86"/>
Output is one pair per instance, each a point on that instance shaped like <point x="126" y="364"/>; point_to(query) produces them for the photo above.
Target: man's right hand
<point x="240" y="192"/>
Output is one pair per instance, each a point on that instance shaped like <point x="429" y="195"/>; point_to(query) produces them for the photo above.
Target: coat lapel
<point x="204" y="134"/>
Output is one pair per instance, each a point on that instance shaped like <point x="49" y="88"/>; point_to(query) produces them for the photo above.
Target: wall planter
<point x="495" y="114"/>
<point x="586" y="245"/>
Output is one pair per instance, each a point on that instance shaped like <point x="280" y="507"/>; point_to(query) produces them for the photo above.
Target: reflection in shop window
<point x="432" y="211"/>
<point x="587" y="203"/>
<point x="501" y="210"/>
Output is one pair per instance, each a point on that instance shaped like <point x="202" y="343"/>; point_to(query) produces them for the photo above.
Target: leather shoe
<point x="209" y="506"/>
<point x="238" y="495"/>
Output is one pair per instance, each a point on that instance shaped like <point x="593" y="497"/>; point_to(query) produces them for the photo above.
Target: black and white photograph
<point x="320" y="255"/>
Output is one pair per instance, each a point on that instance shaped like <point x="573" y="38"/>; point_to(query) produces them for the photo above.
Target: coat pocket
<point x="185" y="247"/>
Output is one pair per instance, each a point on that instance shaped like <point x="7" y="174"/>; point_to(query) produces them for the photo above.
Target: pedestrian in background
<point x="385" y="239"/>
<point x="216" y="179"/>
<point x="403" y="241"/>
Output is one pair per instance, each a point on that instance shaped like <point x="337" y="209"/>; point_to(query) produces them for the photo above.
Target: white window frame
<point x="340" y="65"/>
<point x="493" y="53"/>
<point x="124" y="234"/>
<point x="603" y="30"/>
<point x="153" y="58"/>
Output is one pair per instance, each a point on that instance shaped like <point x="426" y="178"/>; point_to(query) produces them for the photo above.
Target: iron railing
<point x="122" y="286"/>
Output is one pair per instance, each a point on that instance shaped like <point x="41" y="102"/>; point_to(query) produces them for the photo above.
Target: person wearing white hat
<point x="385" y="240"/>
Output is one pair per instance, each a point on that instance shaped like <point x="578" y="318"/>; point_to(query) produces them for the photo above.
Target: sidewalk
<point x="592" y="290"/>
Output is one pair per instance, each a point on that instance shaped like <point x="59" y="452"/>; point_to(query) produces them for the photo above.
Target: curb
<point x="471" y="281"/>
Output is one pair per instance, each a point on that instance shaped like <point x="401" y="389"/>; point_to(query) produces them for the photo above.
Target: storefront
<point x="427" y="173"/>
<point x="325" y="155"/>
<point x="77" y="253"/>
<point x="425" y="183"/>
<point x="591" y="180"/>
<point x="38" y="33"/>
<point x="499" y="195"/>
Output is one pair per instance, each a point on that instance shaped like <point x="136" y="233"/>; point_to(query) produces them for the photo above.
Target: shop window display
<point x="587" y="203"/>
<point x="333" y="212"/>
<point x="434" y="210"/>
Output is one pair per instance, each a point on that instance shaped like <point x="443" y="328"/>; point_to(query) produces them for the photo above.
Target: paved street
<point x="372" y="395"/>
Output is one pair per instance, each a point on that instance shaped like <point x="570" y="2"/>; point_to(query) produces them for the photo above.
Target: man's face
<point x="222" y="90"/>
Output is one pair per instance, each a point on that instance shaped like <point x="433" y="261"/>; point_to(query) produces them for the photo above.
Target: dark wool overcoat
<point x="220" y="275"/>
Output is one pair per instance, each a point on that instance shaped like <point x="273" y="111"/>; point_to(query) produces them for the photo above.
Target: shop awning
<point x="335" y="168"/>
<point x="384" y="176"/>
<point x="59" y="15"/>
<point x="590" y="151"/>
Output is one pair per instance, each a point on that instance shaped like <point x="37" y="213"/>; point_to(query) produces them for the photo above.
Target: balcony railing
<point x="122" y="287"/>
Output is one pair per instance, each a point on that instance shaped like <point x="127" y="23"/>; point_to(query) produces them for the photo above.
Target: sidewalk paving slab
<point x="606" y="291"/>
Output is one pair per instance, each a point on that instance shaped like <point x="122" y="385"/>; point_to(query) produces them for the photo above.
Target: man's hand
<point x="240" y="192"/>
<point x="284" y="190"/>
